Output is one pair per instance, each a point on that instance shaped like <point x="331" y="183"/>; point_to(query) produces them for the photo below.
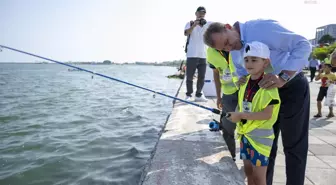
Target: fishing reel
<point x="215" y="126"/>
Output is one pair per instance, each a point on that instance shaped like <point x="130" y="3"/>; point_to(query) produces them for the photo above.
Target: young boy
<point x="326" y="78"/>
<point x="258" y="111"/>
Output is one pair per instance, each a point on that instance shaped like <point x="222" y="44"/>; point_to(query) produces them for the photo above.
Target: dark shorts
<point x="322" y="93"/>
<point x="333" y="69"/>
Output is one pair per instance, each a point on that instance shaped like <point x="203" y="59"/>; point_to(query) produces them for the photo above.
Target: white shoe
<point x="201" y="99"/>
<point x="188" y="98"/>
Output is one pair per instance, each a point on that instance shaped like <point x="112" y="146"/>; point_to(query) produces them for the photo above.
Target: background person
<point x="196" y="54"/>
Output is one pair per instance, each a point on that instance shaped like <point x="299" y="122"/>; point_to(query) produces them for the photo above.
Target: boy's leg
<point x="248" y="169"/>
<point x="259" y="175"/>
<point x="331" y="112"/>
<point x="246" y="157"/>
<point x="319" y="108"/>
<point x="229" y="104"/>
<point x="201" y="69"/>
<point x="191" y="68"/>
<point x="260" y="163"/>
<point x="322" y="93"/>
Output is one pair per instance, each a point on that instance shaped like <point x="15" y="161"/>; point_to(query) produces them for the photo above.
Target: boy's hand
<point x="234" y="117"/>
<point x="242" y="80"/>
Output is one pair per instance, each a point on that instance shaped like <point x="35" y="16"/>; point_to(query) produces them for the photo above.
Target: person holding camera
<point x="196" y="54"/>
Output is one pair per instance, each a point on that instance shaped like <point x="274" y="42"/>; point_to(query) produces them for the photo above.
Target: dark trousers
<point x="312" y="73"/>
<point x="293" y="122"/>
<point x="192" y="65"/>
<point x="229" y="103"/>
<point x="333" y="69"/>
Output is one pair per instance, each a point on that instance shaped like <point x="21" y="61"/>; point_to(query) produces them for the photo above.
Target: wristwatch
<point x="284" y="76"/>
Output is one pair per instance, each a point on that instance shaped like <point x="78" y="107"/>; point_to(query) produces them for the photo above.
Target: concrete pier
<point x="188" y="153"/>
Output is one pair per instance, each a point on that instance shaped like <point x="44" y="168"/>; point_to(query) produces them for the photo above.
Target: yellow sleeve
<point x="269" y="95"/>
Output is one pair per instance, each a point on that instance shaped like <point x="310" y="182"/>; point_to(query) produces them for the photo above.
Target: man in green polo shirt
<point x="226" y="80"/>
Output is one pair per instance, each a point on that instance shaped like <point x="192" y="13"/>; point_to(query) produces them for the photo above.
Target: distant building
<point x="324" y="30"/>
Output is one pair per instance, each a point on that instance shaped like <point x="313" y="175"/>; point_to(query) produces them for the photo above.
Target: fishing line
<point x="216" y="111"/>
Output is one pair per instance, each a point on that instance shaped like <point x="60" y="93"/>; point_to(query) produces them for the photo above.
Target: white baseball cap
<point x="257" y="49"/>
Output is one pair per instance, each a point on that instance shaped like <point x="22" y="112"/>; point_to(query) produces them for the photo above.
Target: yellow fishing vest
<point x="216" y="59"/>
<point x="259" y="133"/>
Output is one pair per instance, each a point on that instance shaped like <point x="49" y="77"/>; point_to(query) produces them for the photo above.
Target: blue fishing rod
<point x="216" y="111"/>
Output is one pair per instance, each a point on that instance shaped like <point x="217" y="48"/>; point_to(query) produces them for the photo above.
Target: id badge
<point x="226" y="75"/>
<point x="247" y="106"/>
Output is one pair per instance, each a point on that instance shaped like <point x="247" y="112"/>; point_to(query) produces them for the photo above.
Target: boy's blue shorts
<point x="247" y="152"/>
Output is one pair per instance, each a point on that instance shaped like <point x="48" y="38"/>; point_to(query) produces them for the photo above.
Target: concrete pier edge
<point x="148" y="163"/>
<point x="187" y="152"/>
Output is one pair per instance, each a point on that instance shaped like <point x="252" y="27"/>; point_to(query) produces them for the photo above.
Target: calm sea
<point x="63" y="127"/>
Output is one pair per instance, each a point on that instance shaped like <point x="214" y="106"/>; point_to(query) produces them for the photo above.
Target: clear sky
<point x="135" y="30"/>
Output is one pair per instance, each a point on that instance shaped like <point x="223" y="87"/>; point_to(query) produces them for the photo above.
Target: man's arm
<point x="217" y="82"/>
<point x="188" y="29"/>
<point x="276" y="36"/>
<point x="318" y="77"/>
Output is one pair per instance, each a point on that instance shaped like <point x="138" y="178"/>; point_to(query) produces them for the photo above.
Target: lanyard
<point x="228" y="61"/>
<point x="249" y="88"/>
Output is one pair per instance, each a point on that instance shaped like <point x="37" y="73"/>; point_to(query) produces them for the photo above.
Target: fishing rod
<point x="216" y="111"/>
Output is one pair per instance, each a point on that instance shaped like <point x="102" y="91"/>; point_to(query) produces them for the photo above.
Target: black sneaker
<point x="317" y="116"/>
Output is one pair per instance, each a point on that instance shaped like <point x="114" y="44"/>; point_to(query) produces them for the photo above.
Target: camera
<point x="202" y="22"/>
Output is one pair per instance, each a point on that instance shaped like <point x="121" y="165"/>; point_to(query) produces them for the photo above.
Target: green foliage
<point x="320" y="53"/>
<point x="107" y="62"/>
<point x="174" y="63"/>
<point x="323" y="52"/>
<point x="332" y="48"/>
<point x="326" y="39"/>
